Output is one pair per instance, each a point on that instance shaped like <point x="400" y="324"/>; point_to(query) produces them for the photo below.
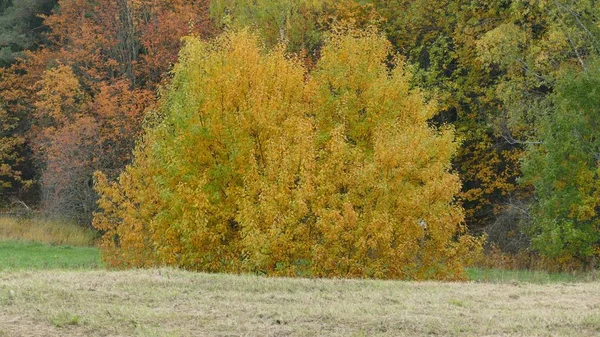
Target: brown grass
<point x="45" y="231"/>
<point x="176" y="303"/>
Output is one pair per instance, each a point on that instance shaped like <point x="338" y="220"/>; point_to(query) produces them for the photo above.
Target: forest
<point x="326" y="138"/>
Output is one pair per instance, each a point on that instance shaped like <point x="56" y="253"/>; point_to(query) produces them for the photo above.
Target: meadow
<point x="168" y="302"/>
<point x="62" y="290"/>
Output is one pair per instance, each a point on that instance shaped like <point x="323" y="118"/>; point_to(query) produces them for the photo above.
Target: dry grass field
<point x="48" y="231"/>
<point x="176" y="303"/>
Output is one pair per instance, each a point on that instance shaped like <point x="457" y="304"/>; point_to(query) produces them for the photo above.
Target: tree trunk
<point x="128" y="44"/>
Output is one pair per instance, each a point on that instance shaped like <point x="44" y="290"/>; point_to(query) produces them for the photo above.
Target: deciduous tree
<point x="257" y="165"/>
<point x="565" y="170"/>
<point x="99" y="69"/>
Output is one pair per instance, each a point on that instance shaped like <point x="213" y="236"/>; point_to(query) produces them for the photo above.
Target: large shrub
<point x="253" y="164"/>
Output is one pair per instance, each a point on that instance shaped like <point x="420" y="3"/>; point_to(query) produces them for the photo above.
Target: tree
<point x="20" y="30"/>
<point x="565" y="169"/>
<point x="65" y="143"/>
<point x="529" y="50"/>
<point x="439" y="41"/>
<point x="11" y="149"/>
<point x="492" y="64"/>
<point x="299" y="24"/>
<point x="71" y="159"/>
<point x="106" y="61"/>
<point x="21" y="27"/>
<point x="137" y="40"/>
<point x="256" y="165"/>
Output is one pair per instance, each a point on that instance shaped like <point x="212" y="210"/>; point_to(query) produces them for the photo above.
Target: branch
<point x="513" y="141"/>
<point x="17" y="201"/>
<point x="506" y="133"/>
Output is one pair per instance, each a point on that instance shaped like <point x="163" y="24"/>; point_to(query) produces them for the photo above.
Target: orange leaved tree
<point x="75" y="104"/>
<point x="252" y="164"/>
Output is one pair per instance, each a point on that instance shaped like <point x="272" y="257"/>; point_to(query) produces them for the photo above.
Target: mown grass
<point x="16" y="255"/>
<point x="45" y="292"/>
<point x="37" y="244"/>
<point x="528" y="276"/>
<point x="48" y="231"/>
<point x="168" y="302"/>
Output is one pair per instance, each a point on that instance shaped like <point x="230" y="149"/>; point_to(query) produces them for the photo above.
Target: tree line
<point x="83" y="82"/>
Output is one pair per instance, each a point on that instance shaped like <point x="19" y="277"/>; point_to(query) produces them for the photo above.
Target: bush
<point x="255" y="165"/>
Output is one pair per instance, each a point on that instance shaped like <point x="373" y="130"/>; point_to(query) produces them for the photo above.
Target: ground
<point x="56" y="286"/>
<point x="169" y="302"/>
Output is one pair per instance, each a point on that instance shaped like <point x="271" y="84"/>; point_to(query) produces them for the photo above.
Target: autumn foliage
<point x="83" y="93"/>
<point x="326" y="147"/>
<point x="257" y="165"/>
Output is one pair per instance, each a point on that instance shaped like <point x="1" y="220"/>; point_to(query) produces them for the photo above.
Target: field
<point x="33" y="255"/>
<point x="62" y="290"/>
<point x="38" y="244"/>
<point x="45" y="231"/>
<point x="178" y="303"/>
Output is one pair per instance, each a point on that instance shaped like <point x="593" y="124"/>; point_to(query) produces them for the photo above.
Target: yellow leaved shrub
<point x="257" y="165"/>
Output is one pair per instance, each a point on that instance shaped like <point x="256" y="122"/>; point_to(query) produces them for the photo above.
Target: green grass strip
<point x="16" y="255"/>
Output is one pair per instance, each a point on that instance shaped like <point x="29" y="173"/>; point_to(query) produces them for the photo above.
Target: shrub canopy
<point x="255" y="164"/>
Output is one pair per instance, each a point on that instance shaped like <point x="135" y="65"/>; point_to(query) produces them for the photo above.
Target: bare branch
<point x="20" y="202"/>
<point x="507" y="134"/>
